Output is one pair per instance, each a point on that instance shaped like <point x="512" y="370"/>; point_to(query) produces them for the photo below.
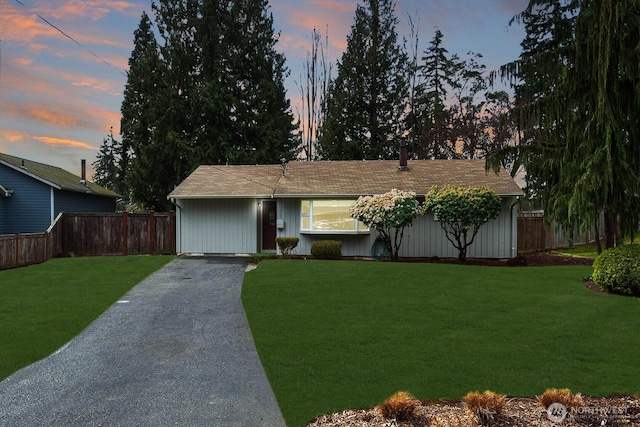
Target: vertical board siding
<point x="424" y="239"/>
<point x="218" y="226"/>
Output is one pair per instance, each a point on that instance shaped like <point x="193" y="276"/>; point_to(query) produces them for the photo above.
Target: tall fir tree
<point x="140" y="154"/>
<point x="575" y="83"/>
<point x="433" y="136"/>
<point x="218" y="95"/>
<point x="366" y="102"/>
<point x="107" y="167"/>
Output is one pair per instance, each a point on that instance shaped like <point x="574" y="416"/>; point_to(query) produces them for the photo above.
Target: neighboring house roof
<point x="339" y="179"/>
<point x="53" y="176"/>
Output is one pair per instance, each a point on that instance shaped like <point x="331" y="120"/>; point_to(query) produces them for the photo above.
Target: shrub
<point x="486" y="407"/>
<point x="461" y="211"/>
<point x="400" y="407"/>
<point x="326" y="249"/>
<point x="262" y="255"/>
<point x="618" y="270"/>
<point x="287" y="245"/>
<point x="563" y="396"/>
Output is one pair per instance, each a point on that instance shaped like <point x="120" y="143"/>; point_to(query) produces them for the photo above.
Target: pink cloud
<point x="63" y="141"/>
<point x="48" y="115"/>
<point x="91" y="9"/>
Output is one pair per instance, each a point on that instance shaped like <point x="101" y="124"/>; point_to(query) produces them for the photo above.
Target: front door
<point x="268" y="225"/>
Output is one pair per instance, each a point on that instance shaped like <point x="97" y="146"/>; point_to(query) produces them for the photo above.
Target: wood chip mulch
<point x="616" y="411"/>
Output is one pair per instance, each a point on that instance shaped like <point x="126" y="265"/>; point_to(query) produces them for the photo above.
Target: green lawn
<point x="348" y="334"/>
<point x="587" y="251"/>
<point x="43" y="306"/>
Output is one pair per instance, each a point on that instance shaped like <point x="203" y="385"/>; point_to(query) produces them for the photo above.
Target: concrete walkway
<point x="176" y="350"/>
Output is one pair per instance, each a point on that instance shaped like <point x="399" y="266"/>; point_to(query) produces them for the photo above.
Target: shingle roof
<point x="229" y="181"/>
<point x="340" y="178"/>
<point x="54" y="176"/>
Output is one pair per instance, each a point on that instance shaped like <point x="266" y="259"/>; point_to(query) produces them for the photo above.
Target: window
<point x="330" y="217"/>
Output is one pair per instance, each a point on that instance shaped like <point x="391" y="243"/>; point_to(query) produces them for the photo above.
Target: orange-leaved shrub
<point x="400" y="407"/>
<point x="563" y="396"/>
<point x="487" y="407"/>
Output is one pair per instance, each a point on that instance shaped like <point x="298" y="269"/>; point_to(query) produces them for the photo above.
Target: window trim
<point x="309" y="215"/>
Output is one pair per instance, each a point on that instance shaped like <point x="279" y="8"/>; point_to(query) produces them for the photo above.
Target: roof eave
<point x="30" y="174"/>
<point x="219" y="196"/>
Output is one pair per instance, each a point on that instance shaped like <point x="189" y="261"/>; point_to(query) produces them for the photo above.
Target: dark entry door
<point x="268" y="225"/>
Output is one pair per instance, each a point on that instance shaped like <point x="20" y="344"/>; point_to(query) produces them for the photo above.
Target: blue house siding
<point x="2" y="203"/>
<point x="30" y="203"/>
<point x="68" y="201"/>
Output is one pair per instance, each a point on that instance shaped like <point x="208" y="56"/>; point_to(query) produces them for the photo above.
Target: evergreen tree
<point x="218" y="94"/>
<point x="140" y="156"/>
<point x="434" y="139"/>
<point x="454" y="115"/>
<point x="107" y="165"/>
<point x="577" y="90"/>
<point x="367" y="100"/>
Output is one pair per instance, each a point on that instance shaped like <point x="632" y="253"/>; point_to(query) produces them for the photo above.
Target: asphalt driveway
<point x="176" y="350"/>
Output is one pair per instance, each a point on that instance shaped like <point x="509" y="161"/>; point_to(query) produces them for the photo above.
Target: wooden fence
<point x="534" y="235"/>
<point x="88" y="234"/>
<point x="18" y="250"/>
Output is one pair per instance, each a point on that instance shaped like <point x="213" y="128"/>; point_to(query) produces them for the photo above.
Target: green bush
<point x="618" y="270"/>
<point x="287" y="244"/>
<point x="262" y="255"/>
<point x="327" y="249"/>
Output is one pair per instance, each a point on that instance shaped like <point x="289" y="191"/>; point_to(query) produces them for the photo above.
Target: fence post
<point x="125" y="233"/>
<point x="172" y="232"/>
<point x="17" y="250"/>
<point x="152" y="233"/>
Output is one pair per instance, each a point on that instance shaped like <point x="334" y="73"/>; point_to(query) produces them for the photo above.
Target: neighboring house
<point x="32" y="194"/>
<point x="243" y="208"/>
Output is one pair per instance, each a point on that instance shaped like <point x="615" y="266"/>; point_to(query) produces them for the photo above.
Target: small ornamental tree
<point x="389" y="213"/>
<point x="461" y="212"/>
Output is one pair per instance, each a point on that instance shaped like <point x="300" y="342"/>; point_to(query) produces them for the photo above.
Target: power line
<point x="72" y="39"/>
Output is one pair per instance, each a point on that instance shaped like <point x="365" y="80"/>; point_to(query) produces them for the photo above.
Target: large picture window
<point x="329" y="216"/>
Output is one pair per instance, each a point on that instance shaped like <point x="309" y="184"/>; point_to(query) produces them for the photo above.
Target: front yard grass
<point x="347" y="334"/>
<point x="43" y="306"/>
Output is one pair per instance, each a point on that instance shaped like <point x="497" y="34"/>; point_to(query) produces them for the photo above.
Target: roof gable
<point x="340" y="178"/>
<point x="54" y="176"/>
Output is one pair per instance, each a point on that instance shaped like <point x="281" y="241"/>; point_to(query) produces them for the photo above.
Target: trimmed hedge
<point x="618" y="270"/>
<point x="327" y="249"/>
<point x="287" y="245"/>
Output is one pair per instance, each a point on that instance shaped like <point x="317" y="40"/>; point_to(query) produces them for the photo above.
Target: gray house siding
<point x="67" y="201"/>
<point x="425" y="239"/>
<point x="231" y="226"/>
<point x="30" y="198"/>
<point x="217" y="226"/>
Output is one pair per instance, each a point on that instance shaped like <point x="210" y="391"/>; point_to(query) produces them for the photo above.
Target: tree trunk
<point x="598" y="244"/>
<point x="611" y="231"/>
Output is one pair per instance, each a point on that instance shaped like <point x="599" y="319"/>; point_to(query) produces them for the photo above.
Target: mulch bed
<point x="616" y="411"/>
<point x="533" y="259"/>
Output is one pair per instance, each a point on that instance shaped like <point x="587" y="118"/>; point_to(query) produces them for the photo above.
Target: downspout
<point x="514" y="245"/>
<point x="178" y="219"/>
<point x="53" y="201"/>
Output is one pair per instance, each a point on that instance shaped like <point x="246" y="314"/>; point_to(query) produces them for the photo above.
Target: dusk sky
<point x="60" y="95"/>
